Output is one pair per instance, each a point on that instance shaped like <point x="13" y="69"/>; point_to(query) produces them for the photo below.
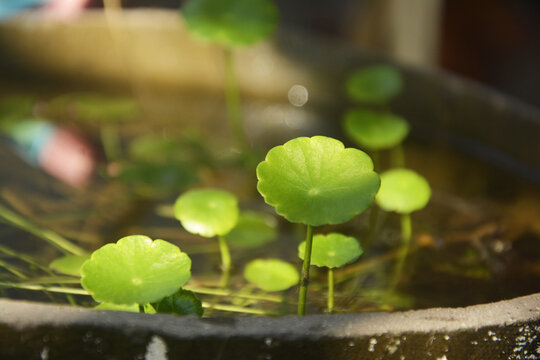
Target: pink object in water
<point x="65" y="10"/>
<point x="69" y="157"/>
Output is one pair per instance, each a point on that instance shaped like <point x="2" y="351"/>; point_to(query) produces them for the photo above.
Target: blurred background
<point x="495" y="42"/>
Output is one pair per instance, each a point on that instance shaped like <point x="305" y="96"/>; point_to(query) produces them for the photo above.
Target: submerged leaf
<point x="271" y="274"/>
<point x="403" y="191"/>
<point x="253" y="230"/>
<point x="135" y="270"/>
<point x="317" y="181"/>
<point x="69" y="264"/>
<point x="231" y="22"/>
<point x="183" y="302"/>
<point x="375" y="84"/>
<point x="332" y="250"/>
<point x="207" y="212"/>
<point x="374" y="130"/>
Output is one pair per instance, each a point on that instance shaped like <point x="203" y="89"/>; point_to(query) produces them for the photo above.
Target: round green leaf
<point x="317" y="181"/>
<point x="184" y="302"/>
<point x="207" y="212"/>
<point x="332" y="250"/>
<point x="403" y="191"/>
<point x="271" y="274"/>
<point x="374" y="130"/>
<point x="231" y="22"/>
<point x="375" y="84"/>
<point x="69" y="264"/>
<point x="253" y="230"/>
<point x="135" y="270"/>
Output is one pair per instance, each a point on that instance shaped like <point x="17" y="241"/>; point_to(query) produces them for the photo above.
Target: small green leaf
<point x="271" y="274"/>
<point x="253" y="230"/>
<point x="332" y="250"/>
<point x="317" y="181"/>
<point x="207" y="212"/>
<point x="231" y="22"/>
<point x="374" y="85"/>
<point x="135" y="270"/>
<point x="374" y="130"/>
<point x="183" y="302"/>
<point x="403" y="191"/>
<point x="69" y="264"/>
<point x="148" y="309"/>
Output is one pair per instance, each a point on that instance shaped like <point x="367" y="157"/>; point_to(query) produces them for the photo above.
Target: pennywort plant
<point x="332" y="251"/>
<point x="209" y="213"/>
<point x="403" y="191"/>
<point x="316" y="181"/>
<point x="231" y="23"/>
<point x="271" y="274"/>
<point x="136" y="271"/>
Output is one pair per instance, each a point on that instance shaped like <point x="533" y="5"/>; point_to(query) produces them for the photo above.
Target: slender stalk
<point x="406" y="232"/>
<point x="376" y="158"/>
<point x="226" y="293"/>
<point x="232" y="98"/>
<point x="233" y="308"/>
<point x="12" y="269"/>
<point x="373" y="227"/>
<point x="56" y="289"/>
<point x="225" y="261"/>
<point x="304" y="279"/>
<point x="141" y="309"/>
<point x="53" y="238"/>
<point x="330" y="290"/>
<point x="110" y="141"/>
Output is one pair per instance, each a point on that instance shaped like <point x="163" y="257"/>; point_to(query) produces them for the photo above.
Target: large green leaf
<point x="135" y="270"/>
<point x="231" y="22"/>
<point x="183" y="302"/>
<point x="253" y="230"/>
<point x="375" y="84"/>
<point x="403" y="191"/>
<point x="317" y="181"/>
<point x="271" y="274"/>
<point x="332" y="250"/>
<point x="207" y="212"/>
<point x="375" y="130"/>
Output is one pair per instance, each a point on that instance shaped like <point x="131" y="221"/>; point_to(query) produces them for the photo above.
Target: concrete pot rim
<point x="526" y="309"/>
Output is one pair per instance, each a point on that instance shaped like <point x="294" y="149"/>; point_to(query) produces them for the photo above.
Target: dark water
<point x="477" y="241"/>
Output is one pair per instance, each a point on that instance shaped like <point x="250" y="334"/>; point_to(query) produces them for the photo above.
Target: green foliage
<point x="69" y="264"/>
<point x="207" y="212"/>
<point x="375" y="130"/>
<point x="183" y="302"/>
<point x="135" y="270"/>
<point x="252" y="230"/>
<point x="332" y="250"/>
<point x="403" y="191"/>
<point x="15" y="108"/>
<point x="92" y="108"/>
<point x="231" y="22"/>
<point x="317" y="181"/>
<point x="271" y="274"/>
<point x="374" y="85"/>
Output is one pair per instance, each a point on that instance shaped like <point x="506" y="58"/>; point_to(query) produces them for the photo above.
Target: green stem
<point x="225" y="261"/>
<point x="406" y="233"/>
<point x="56" y="289"/>
<point x="233" y="308"/>
<point x="304" y="279"/>
<point x="53" y="238"/>
<point x="376" y="158"/>
<point x="141" y="308"/>
<point x="226" y="293"/>
<point x="12" y="269"/>
<point x="232" y="98"/>
<point x="373" y="227"/>
<point x="110" y="141"/>
<point x="330" y="290"/>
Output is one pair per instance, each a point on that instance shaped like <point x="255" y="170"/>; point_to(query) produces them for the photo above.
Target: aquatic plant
<point x="271" y="274"/>
<point x="332" y="251"/>
<point x="231" y="23"/>
<point x="209" y="213"/>
<point x="376" y="84"/>
<point x="135" y="270"/>
<point x="316" y="181"/>
<point x="403" y="191"/>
